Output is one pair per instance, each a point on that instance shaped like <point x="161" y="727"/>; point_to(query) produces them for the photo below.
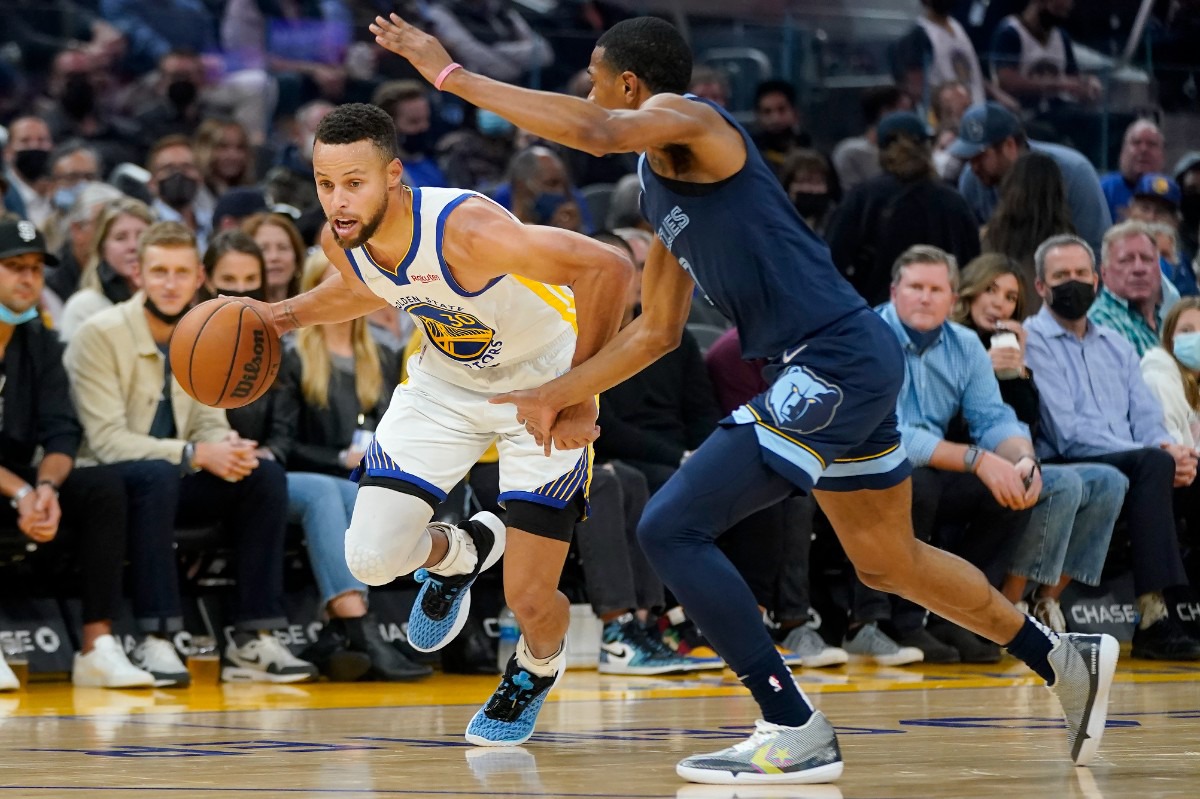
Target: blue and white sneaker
<point x="442" y="606"/>
<point x="509" y="716"/>
<point x="628" y="648"/>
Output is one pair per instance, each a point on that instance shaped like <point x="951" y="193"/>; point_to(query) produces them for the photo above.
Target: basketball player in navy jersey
<point x="826" y="425"/>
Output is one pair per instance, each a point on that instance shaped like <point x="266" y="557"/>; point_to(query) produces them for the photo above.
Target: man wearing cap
<point x="90" y="504"/>
<point x="237" y="205"/>
<point x="891" y="212"/>
<point x="1142" y="152"/>
<point x="991" y="139"/>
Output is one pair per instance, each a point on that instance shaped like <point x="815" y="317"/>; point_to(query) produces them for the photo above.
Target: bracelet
<point x="22" y="492"/>
<point x="445" y="73"/>
<point x="51" y="483"/>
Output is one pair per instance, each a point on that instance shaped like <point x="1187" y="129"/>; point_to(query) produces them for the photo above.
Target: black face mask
<point x="178" y="190"/>
<point x="182" y="93"/>
<point x="253" y="294"/>
<point x="166" y="319"/>
<point x="1190" y="207"/>
<point x="1049" y="20"/>
<point x="78" y="97"/>
<point x="31" y="164"/>
<point x="1072" y="299"/>
<point x="943" y="7"/>
<point x="811" y="205"/>
<point x="416" y="143"/>
<point x="922" y="339"/>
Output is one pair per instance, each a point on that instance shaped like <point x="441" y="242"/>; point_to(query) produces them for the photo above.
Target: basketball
<point x="224" y="353"/>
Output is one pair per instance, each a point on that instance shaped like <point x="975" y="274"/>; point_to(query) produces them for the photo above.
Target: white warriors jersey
<point x="486" y="340"/>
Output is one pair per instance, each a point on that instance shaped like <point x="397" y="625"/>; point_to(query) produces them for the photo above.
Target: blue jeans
<point x="323" y="504"/>
<point x="1071" y="524"/>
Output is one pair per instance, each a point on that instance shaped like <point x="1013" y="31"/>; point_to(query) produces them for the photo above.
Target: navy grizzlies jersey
<point x="750" y="253"/>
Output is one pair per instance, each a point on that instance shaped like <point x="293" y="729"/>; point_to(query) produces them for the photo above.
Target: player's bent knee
<point x="387" y="536"/>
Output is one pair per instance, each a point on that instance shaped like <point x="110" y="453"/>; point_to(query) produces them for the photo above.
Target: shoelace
<point x="653" y="644"/>
<point x="757" y="739"/>
<point x="515" y="693"/>
<point x="441" y="594"/>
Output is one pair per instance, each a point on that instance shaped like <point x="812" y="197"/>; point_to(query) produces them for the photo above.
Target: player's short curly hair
<point x="355" y="122"/>
<point x="653" y="50"/>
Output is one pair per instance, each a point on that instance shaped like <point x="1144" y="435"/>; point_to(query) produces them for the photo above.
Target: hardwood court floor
<point x="931" y="731"/>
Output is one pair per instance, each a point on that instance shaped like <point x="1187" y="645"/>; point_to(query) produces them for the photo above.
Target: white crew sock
<point x="541" y="667"/>
<point x="460" y="557"/>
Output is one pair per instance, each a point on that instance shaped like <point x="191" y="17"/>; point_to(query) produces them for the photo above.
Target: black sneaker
<point x="971" y="648"/>
<point x="331" y="654"/>
<point x="386" y="663"/>
<point x="1164" y="640"/>
<point x="935" y="651"/>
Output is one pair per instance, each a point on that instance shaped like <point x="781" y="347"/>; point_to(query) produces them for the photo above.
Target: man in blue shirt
<point x="991" y="139"/>
<point x="1142" y="153"/>
<point x="1096" y="407"/>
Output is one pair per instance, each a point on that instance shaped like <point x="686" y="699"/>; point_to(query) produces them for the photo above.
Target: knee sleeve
<point x="387" y="536"/>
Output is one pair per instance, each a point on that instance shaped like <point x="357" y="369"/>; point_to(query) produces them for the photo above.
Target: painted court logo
<point x="802" y="402"/>
<point x="459" y="335"/>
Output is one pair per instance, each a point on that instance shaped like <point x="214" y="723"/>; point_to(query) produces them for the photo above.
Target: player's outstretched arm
<point x="339" y="299"/>
<point x="575" y="122"/>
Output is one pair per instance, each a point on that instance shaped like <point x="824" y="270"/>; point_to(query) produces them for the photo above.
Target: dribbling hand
<point x="575" y="426"/>
<point x="533" y="412"/>
<point x="420" y="49"/>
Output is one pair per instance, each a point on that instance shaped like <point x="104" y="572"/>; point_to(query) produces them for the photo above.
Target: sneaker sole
<point x="237" y="674"/>
<point x="1097" y="715"/>
<point x="825" y="660"/>
<point x="826" y="773"/>
<point x="87" y="683"/>
<point x="464" y="606"/>
<point x="888" y="660"/>
<point x="640" y="671"/>
<point x="479" y="740"/>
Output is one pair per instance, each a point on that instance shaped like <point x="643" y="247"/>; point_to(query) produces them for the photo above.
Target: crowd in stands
<point x="156" y="155"/>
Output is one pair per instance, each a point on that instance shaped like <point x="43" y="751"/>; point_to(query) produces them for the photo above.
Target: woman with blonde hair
<point x="108" y="277"/>
<point x="334" y="385"/>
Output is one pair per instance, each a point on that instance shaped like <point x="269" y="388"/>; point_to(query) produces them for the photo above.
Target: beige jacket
<point x="1161" y="373"/>
<point x="116" y="375"/>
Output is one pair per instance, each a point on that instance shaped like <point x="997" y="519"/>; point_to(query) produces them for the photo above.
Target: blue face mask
<point x="544" y="206"/>
<point x="492" y="125"/>
<point x="64" y="198"/>
<point x="9" y="318"/>
<point x="1187" y="350"/>
<point x="922" y="339"/>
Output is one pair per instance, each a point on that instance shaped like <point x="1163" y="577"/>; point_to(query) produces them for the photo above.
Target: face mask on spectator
<point x="252" y="294"/>
<point x="1048" y="19"/>
<point x="182" y="93"/>
<point x="78" y="98"/>
<point x="811" y="205"/>
<point x="178" y="190"/>
<point x="492" y="125"/>
<point x="943" y="7"/>
<point x="1187" y="350"/>
<point x="1190" y="207"/>
<point x="65" y="197"/>
<point x="1072" y="299"/>
<point x="166" y="319"/>
<point x="8" y="317"/>
<point x="545" y="204"/>
<point x="922" y="339"/>
<point x="415" y="143"/>
<point x="31" y="164"/>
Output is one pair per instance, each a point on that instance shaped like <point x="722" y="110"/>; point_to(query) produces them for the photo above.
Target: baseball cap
<point x="240" y="203"/>
<point x="983" y="126"/>
<point x="900" y="123"/>
<point x="1159" y="187"/>
<point x="20" y="237"/>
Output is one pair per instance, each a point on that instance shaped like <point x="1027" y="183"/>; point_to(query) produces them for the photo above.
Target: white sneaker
<point x="874" y="644"/>
<point x="106" y="666"/>
<point x="264" y="659"/>
<point x="8" y="680"/>
<point x="814" y="653"/>
<point x="158" y="656"/>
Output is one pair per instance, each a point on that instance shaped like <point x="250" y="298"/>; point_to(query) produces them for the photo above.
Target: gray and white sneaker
<point x="812" y="650"/>
<point x="1083" y="674"/>
<point x="158" y="656"/>
<point x="264" y="659"/>
<point x="773" y="754"/>
<point x="874" y="644"/>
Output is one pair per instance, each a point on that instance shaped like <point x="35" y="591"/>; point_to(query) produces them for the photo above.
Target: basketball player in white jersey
<point x="503" y="306"/>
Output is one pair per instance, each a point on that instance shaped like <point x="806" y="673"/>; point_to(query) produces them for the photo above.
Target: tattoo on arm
<point x="290" y="314"/>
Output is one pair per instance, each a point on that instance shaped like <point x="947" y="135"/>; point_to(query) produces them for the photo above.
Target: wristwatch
<point x="971" y="458"/>
<point x="187" y="464"/>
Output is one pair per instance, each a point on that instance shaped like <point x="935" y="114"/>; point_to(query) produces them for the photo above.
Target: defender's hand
<point x="422" y="50"/>
<point x="533" y="412"/>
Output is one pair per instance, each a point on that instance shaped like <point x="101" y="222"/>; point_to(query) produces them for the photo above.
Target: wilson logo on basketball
<point x="251" y="368"/>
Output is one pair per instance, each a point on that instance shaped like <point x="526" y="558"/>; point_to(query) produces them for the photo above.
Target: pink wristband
<point x="445" y="73"/>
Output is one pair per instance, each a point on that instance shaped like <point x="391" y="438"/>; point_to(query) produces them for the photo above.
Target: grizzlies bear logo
<point x="802" y="402"/>
<point x="459" y="335"/>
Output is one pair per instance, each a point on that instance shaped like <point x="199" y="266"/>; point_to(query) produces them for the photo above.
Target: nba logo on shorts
<point x="802" y="402"/>
<point x="459" y="335"/>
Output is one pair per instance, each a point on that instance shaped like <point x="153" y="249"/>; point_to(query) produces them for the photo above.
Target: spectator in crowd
<point x="711" y="84"/>
<point x="408" y="103"/>
<point x="283" y="250"/>
<point x="72" y="165"/>
<point x="1142" y="153"/>
<point x="237" y="205"/>
<point x="777" y="122"/>
<point x="1187" y="175"/>
<point x="1172" y="373"/>
<point x="170" y="100"/>
<point x="991" y="139"/>
<point x="489" y="39"/>
<point x="888" y="214"/>
<point x="1033" y="60"/>
<point x="56" y="505"/>
<point x="857" y="158"/>
<point x="539" y="191"/>
<point x="153" y="30"/>
<point x="333" y="387"/>
<point x="1134" y="298"/>
<point x="1173" y="263"/>
<point x="296" y="156"/>
<point x="39" y="31"/>
<point x="182" y="464"/>
<point x="1157" y="200"/>
<point x="989" y="486"/>
<point x="110" y="272"/>
<point x="1096" y="407"/>
<point x="79" y="228"/>
<point x="1032" y="208"/>
<point x="79" y="104"/>
<point x="27" y="169"/>
<point x="476" y="158"/>
<point x="175" y="183"/>
<point x="812" y="186"/>
<point x="1066" y="539"/>
<point x="223" y="155"/>
<point x="950" y="101"/>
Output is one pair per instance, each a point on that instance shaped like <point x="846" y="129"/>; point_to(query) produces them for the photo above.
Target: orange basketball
<point x="224" y="353"/>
